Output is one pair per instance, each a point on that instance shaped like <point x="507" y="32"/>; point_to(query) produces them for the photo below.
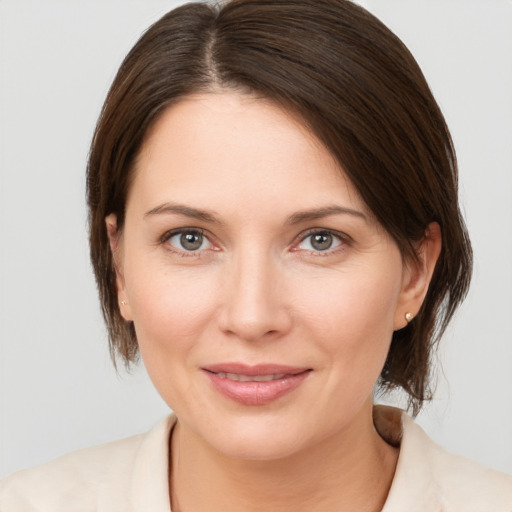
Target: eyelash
<point x="164" y="240"/>
<point x="343" y="241"/>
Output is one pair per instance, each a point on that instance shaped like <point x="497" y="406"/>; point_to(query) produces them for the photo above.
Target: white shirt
<point x="131" y="475"/>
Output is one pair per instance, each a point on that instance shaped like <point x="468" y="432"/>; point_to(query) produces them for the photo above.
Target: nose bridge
<point x="255" y="305"/>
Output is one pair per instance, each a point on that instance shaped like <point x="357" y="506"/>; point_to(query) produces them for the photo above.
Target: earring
<point x="408" y="317"/>
<point x="123" y="303"/>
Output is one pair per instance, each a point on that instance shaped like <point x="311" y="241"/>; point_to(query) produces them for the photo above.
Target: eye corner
<point x="333" y="241"/>
<point x="175" y="240"/>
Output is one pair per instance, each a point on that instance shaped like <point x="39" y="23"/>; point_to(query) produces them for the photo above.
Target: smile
<point x="255" y="385"/>
<point x="250" y="378"/>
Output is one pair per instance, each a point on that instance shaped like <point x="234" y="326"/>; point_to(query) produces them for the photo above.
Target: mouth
<point x="250" y="378"/>
<point x="255" y="385"/>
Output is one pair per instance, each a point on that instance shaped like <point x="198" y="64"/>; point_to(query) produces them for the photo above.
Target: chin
<point x="257" y="436"/>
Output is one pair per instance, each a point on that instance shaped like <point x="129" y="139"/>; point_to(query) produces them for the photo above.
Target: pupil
<point x="321" y="241"/>
<point x="191" y="241"/>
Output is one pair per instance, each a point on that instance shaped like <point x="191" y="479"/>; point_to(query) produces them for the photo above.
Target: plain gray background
<point x="58" y="390"/>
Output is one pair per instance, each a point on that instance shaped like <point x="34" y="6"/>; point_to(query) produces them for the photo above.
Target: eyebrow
<point x="187" y="211"/>
<point x="296" y="218"/>
<point x="319" y="213"/>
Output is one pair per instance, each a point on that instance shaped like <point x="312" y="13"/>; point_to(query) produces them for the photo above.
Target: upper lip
<point x="255" y="370"/>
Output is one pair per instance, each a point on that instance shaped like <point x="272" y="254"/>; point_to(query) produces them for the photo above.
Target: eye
<point x="190" y="240"/>
<point x="320" y="241"/>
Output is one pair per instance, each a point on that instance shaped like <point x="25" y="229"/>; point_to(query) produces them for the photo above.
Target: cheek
<point x="352" y="316"/>
<point x="170" y="308"/>
<point x="172" y="313"/>
<point x="361" y="302"/>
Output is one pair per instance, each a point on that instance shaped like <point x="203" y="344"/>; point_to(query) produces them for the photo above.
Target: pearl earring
<point x="408" y="317"/>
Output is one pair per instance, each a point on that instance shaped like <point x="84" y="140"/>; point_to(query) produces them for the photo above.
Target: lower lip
<point x="256" y="393"/>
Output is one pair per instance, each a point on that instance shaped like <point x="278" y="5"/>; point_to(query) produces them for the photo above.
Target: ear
<point x="114" y="238"/>
<point x="417" y="275"/>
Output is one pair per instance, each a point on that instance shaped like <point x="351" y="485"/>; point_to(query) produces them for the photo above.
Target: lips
<point x="251" y="378"/>
<point x="255" y="385"/>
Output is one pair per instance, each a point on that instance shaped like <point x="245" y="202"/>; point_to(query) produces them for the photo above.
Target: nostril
<point x="253" y="306"/>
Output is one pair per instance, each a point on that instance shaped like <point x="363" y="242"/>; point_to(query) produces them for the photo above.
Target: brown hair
<point x="354" y="84"/>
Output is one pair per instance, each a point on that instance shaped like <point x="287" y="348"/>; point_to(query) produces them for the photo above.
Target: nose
<point x="255" y="299"/>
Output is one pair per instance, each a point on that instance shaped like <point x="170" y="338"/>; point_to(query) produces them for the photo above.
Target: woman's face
<point x="263" y="292"/>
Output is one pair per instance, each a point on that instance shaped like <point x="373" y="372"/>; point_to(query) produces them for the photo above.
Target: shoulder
<point x="59" y="483"/>
<point x="97" y="478"/>
<point x="430" y="479"/>
<point x="463" y="481"/>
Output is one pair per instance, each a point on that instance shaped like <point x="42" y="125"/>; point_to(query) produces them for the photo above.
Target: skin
<point x="256" y="291"/>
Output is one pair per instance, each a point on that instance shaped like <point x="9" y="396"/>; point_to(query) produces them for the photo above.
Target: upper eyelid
<point x="344" y="239"/>
<point x="176" y="231"/>
<point x="297" y="239"/>
<point x="312" y="231"/>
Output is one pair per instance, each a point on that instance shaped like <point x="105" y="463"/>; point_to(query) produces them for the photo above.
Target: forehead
<point x="228" y="145"/>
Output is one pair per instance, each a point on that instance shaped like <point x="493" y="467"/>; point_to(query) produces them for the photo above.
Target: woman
<point x="274" y="226"/>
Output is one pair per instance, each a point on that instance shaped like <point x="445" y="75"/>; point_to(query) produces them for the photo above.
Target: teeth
<point x="251" y="378"/>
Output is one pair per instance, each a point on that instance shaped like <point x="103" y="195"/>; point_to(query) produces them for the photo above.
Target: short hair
<point x="353" y="83"/>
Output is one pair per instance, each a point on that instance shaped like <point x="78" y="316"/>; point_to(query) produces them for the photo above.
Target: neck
<point x="349" y="471"/>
